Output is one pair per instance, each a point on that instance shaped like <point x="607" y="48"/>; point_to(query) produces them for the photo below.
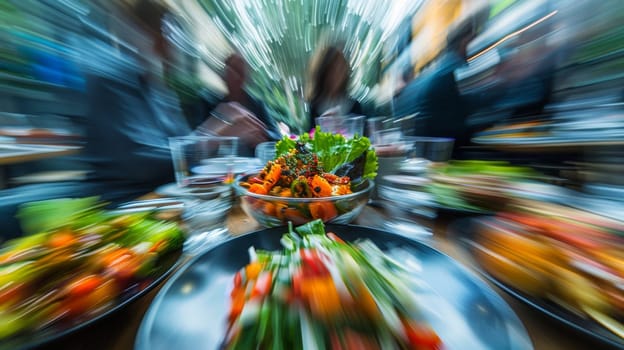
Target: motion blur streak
<point x="279" y="38"/>
<point x="529" y="94"/>
<point x="507" y="37"/>
<point x="544" y="75"/>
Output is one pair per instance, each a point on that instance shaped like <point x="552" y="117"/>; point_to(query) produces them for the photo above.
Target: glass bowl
<point x="271" y="211"/>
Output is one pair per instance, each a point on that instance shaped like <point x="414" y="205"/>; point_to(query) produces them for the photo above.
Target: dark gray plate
<point x="190" y="310"/>
<point x="58" y="332"/>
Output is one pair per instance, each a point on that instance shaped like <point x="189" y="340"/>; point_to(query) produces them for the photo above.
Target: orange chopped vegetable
<point x="322" y="297"/>
<point x="12" y="293"/>
<point x="366" y="301"/>
<point x="252" y="270"/>
<point x="74" y="306"/>
<point x="320" y="187"/>
<point x="125" y="270"/>
<point x="323" y="210"/>
<point x="238" y="303"/>
<point x="272" y="176"/>
<point x="258" y="188"/>
<point x="116" y="255"/>
<point x="158" y="246"/>
<point x="268" y="208"/>
<point x="280" y="209"/>
<point x="421" y="336"/>
<point x="294" y="215"/>
<point x="286" y="192"/>
<point x="62" y="239"/>
<point x="339" y="190"/>
<point x="84" y="285"/>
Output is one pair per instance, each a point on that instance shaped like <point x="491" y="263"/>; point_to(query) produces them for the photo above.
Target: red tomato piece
<point x="238" y="280"/>
<point x="262" y="287"/>
<point x="312" y="262"/>
<point x="335" y="237"/>
<point x="84" y="285"/>
<point x="422" y="337"/>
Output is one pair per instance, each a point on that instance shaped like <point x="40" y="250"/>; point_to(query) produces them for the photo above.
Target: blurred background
<point x="538" y="82"/>
<point x="511" y="110"/>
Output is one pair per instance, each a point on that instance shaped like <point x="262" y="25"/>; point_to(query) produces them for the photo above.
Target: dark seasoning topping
<point x="299" y="162"/>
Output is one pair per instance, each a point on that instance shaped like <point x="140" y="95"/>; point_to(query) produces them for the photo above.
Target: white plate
<point x="407" y="180"/>
<point x="220" y="166"/>
<point x="414" y="166"/>
<point x="171" y="190"/>
<point x="174" y="191"/>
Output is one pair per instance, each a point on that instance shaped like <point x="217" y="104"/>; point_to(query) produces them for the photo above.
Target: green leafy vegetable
<point x="487" y="167"/>
<point x="334" y="150"/>
<point x="284" y="145"/>
<point x="314" y="227"/>
<point x="152" y="231"/>
<point x="51" y="214"/>
<point x="448" y="196"/>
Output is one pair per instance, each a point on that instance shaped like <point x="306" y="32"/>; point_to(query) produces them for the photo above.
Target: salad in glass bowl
<point x="325" y="177"/>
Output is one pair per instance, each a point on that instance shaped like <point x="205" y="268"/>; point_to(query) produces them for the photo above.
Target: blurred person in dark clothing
<point x="131" y="115"/>
<point x="330" y="80"/>
<point x="235" y="76"/>
<point x="526" y="72"/>
<point x="436" y="93"/>
<point x="239" y="109"/>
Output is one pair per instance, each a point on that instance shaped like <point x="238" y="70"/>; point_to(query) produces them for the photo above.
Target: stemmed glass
<point x="204" y="170"/>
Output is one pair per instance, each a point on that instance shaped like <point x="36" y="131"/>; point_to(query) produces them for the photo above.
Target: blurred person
<point x="330" y="80"/>
<point x="238" y="113"/>
<point x="131" y="114"/>
<point x="525" y="74"/>
<point x="436" y="92"/>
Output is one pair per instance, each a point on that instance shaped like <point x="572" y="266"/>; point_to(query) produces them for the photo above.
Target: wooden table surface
<point x="119" y="330"/>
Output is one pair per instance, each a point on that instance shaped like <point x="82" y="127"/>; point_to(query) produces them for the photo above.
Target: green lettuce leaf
<point x="315" y="227"/>
<point x="284" y="145"/>
<point x="50" y="214"/>
<point x="334" y="150"/>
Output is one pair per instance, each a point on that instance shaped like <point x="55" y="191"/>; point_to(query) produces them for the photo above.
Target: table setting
<point x="302" y="198"/>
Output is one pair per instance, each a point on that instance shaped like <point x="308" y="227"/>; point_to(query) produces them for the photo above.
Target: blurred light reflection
<point x="541" y="85"/>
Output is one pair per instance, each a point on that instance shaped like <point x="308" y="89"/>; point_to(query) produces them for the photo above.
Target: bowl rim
<point x="244" y="192"/>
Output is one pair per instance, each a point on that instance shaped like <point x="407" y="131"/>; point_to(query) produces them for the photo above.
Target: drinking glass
<point x="434" y="149"/>
<point x="199" y="160"/>
<point x="385" y="129"/>
<point x="387" y="136"/>
<point x="376" y="124"/>
<point x="204" y="169"/>
<point x="389" y="159"/>
<point x="265" y="151"/>
<point x="348" y="126"/>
